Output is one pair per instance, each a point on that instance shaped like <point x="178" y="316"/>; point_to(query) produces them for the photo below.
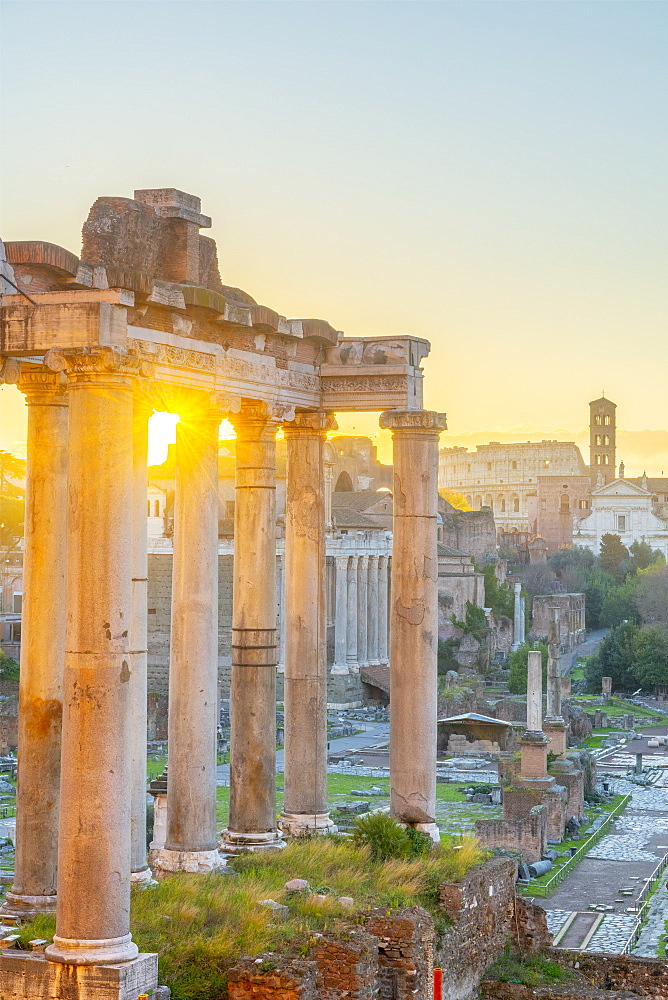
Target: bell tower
<point x="602" y="444"/>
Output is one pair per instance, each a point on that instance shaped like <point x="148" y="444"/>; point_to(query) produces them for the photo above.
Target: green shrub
<point x="384" y="837"/>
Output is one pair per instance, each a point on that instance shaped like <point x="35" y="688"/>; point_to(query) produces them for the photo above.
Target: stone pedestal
<point x="305" y="808"/>
<point x="414" y="617"/>
<point x="533" y="767"/>
<point x="93" y="909"/>
<point x="252" y="823"/>
<point x="191" y="843"/>
<point x="42" y="646"/>
<point x="26" y="976"/>
<point x="556" y="731"/>
<point x="140" y="872"/>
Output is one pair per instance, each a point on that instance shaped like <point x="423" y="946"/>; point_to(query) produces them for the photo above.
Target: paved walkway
<point x="567" y="660"/>
<point x="614" y="872"/>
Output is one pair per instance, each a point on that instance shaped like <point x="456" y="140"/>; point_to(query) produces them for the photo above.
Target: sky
<point x="488" y="175"/>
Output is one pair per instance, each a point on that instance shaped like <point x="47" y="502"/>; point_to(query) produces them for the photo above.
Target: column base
<point x="240" y="843"/>
<point x="107" y="951"/>
<point x="197" y="862"/>
<point x="340" y="669"/>
<point x="539" y="782"/>
<point x="27" y="907"/>
<point x="430" y="830"/>
<point x="306" y="824"/>
<point x="142" y="879"/>
<point x="26" y="974"/>
<point x="353" y="667"/>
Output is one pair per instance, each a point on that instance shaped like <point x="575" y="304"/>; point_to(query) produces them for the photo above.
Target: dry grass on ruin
<point x="200" y="925"/>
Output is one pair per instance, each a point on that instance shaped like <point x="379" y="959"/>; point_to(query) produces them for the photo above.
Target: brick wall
<point x="405" y="953"/>
<point x="527" y="835"/>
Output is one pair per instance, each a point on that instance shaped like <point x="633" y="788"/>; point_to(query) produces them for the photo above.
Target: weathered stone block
<point x="29" y="976"/>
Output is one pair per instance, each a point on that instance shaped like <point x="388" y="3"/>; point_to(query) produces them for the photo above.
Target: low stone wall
<point x="273" y="979"/>
<point x="527" y="835"/>
<point x="486" y="913"/>
<point x="391" y="956"/>
<point x="644" y="976"/>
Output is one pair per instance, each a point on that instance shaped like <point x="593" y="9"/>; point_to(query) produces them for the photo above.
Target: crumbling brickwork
<point x="528" y="835"/>
<point x="347" y="966"/>
<point x="269" y="978"/>
<point x="405" y="953"/>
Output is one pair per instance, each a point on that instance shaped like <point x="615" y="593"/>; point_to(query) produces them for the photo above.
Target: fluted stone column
<point x="280" y="618"/>
<point x="252" y="823"/>
<point x="93" y="910"/>
<point x="140" y="871"/>
<point x="518" y="618"/>
<point x="42" y="646"/>
<point x="191" y="843"/>
<point x="351" y="631"/>
<point x="382" y="609"/>
<point x="305" y="803"/>
<point x="340" y="665"/>
<point x="372" y="612"/>
<point x="414" y="617"/>
<point x="362" y="610"/>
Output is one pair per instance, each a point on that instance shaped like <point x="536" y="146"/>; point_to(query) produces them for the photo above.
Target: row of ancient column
<point x="85" y="640"/>
<point x="360" y="612"/>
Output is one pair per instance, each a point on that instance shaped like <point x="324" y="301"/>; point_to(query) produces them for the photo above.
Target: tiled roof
<point x="345" y="517"/>
<point x="358" y="499"/>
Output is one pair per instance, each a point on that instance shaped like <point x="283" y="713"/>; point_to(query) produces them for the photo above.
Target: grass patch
<point x="531" y="970"/>
<point x="200" y="925"/>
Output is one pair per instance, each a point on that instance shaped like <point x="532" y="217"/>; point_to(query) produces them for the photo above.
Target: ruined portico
<point x="142" y="321"/>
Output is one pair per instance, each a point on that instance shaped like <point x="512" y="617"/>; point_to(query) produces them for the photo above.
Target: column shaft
<point x="305" y="804"/>
<point x="341" y="617"/>
<point x="362" y="610"/>
<point x="351" y="655"/>
<point x="534" y="692"/>
<point x="382" y="609"/>
<point x="193" y="668"/>
<point x="42" y="647"/>
<point x="93" y="911"/>
<point x="252" y="821"/>
<point x="372" y="611"/>
<point x="414" y="617"/>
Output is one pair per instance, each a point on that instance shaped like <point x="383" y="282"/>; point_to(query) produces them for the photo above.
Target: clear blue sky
<point x="491" y="176"/>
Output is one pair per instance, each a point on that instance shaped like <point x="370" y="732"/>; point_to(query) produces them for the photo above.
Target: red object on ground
<point x="438" y="984"/>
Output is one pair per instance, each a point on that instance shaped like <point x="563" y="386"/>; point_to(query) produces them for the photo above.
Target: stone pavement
<point x="614" y="872"/>
<point x="655" y="927"/>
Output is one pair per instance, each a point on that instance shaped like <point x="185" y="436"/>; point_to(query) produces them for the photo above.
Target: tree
<point x="538" y="579"/>
<point x="518" y="661"/>
<point x="475" y="622"/>
<point x="651" y="656"/>
<point x="498" y="596"/>
<point x="613" y="554"/>
<point x="619" y="604"/>
<point x="652" y="595"/>
<point x="616" y="659"/>
<point x="642" y="555"/>
<point x="597" y="586"/>
<point x="455" y="499"/>
<point x="572" y="558"/>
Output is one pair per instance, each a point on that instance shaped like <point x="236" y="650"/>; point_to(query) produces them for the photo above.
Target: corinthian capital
<point x="414" y="420"/>
<point x="91" y="363"/>
<point x="43" y="386"/>
<point x="311" y="422"/>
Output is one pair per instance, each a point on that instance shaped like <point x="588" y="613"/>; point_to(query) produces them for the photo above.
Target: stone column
<point x="280" y="604"/>
<point x="382" y="609"/>
<point x="534" y="744"/>
<point x="140" y="871"/>
<point x="372" y="612"/>
<point x="414" y="617"/>
<point x="554" y="725"/>
<point x="305" y="804"/>
<point x="252" y="823"/>
<point x="93" y="910"/>
<point x="518" y="630"/>
<point x="351" y="655"/>
<point x="340" y="665"/>
<point x="42" y="646"/>
<point x="191" y="843"/>
<point x="362" y="610"/>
